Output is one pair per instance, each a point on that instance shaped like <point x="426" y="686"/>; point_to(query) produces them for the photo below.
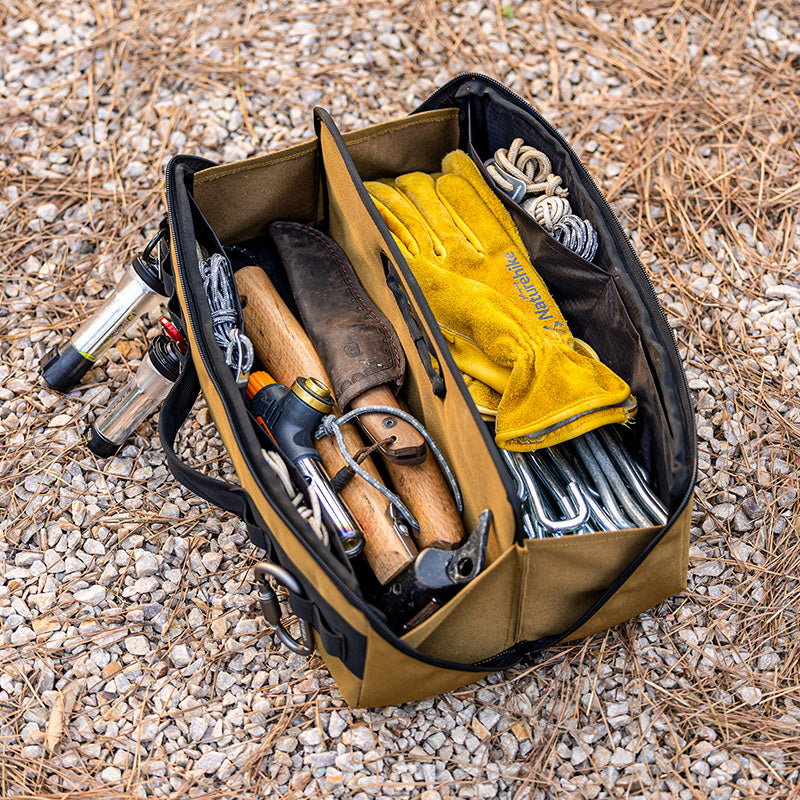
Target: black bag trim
<point x="427" y="354"/>
<point x="226" y="496"/>
<point x="350" y="647"/>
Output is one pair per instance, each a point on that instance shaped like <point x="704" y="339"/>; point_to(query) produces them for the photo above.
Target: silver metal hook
<point x="643" y="493"/>
<point x="601" y="483"/>
<point x="560" y="493"/>
<point x="552" y="525"/>
<point x="618" y="485"/>
<point x="511" y="463"/>
<point x="598" y="515"/>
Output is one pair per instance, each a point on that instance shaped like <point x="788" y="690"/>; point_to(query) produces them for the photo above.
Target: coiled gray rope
<point x="330" y="425"/>
<point x="525" y="175"/>
<point x="218" y="284"/>
<point x="577" y="234"/>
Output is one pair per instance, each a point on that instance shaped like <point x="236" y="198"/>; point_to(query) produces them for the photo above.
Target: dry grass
<point x="693" y="135"/>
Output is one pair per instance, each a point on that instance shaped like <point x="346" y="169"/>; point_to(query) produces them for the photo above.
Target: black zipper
<point x="355" y="600"/>
<point x="640" y="277"/>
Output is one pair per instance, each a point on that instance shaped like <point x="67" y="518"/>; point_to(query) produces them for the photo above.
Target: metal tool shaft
<point x="336" y="516"/>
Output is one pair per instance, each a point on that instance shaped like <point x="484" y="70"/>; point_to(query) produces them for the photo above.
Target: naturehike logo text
<point x="527" y="291"/>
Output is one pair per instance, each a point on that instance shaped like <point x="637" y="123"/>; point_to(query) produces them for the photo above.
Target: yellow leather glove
<point x="503" y="328"/>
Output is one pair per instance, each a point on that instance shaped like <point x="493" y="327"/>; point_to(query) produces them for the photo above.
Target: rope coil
<point x="525" y="175"/>
<point x="312" y="515"/>
<point x="218" y="284"/>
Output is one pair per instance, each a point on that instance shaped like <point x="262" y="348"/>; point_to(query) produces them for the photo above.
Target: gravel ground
<point x="132" y="661"/>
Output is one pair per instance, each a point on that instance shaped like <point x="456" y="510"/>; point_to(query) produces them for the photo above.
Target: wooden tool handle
<point x="407" y="445"/>
<point x="420" y="483"/>
<point x="424" y="490"/>
<point x="283" y="347"/>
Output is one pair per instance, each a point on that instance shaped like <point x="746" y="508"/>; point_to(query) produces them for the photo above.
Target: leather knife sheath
<point x="355" y="342"/>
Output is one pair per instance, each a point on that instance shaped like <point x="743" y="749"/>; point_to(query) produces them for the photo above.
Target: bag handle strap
<point x="174" y="412"/>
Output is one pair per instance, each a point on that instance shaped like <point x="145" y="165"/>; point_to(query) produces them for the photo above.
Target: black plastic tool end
<point x="101" y="446"/>
<point x="63" y="371"/>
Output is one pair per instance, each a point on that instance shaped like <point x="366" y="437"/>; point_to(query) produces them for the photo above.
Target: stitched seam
<point x="399" y="127"/>
<point x="571" y="411"/>
<point x="246" y="167"/>
<point x="343" y="273"/>
<point x="607" y="535"/>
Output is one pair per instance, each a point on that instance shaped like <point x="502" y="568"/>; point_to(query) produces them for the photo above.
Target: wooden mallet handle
<point x="420" y="483"/>
<point x="284" y="348"/>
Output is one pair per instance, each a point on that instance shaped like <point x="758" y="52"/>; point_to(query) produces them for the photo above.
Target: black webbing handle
<point x="173" y="414"/>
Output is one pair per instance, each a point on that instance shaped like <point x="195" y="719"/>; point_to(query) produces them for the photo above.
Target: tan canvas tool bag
<point x="531" y="593"/>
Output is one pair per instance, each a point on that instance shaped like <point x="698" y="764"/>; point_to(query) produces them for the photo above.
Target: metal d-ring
<point x="271" y="609"/>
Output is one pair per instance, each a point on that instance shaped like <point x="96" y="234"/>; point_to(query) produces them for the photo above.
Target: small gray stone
<point x="436" y="740"/>
<point x="170" y="510"/>
<point x="72" y="564"/>
<point x="93" y="595"/>
<point x="151" y="610"/>
<point x="137" y="645"/>
<point x="211" y="561"/>
<point x="197" y="728"/>
<point x="180" y="655"/>
<point x="489" y="717"/>
<point x="768" y="661"/>
<point x="146" y="564"/>
<point x="310" y="737"/>
<point x="27" y="558"/>
<point x="246" y="626"/>
<point x="111" y="774"/>
<point x="210" y="762"/>
<point x="145" y="586"/>
<point x="336" y="725"/>
<point x="119" y="466"/>
<point x="750" y="694"/>
<point x="286" y="744"/>
<point x="622" y="757"/>
<point x="362" y="738"/>
<point x="94" y="548"/>
<point x="47" y="212"/>
<point x="322" y="760"/>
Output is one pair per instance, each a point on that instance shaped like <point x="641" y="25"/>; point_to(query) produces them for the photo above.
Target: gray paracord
<point x="525" y="175"/>
<point x="331" y="426"/>
<point x="577" y="234"/>
<point x="217" y="282"/>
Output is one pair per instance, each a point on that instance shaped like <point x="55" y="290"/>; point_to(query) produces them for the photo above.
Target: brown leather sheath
<point x="361" y="353"/>
<point x="355" y="342"/>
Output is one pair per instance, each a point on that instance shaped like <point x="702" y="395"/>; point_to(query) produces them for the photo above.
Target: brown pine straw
<point x="693" y="137"/>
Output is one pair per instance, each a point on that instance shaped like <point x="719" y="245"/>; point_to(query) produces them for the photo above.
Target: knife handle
<point x="286" y="352"/>
<point x="418" y="481"/>
<point x="407" y="445"/>
<point x="426" y="493"/>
